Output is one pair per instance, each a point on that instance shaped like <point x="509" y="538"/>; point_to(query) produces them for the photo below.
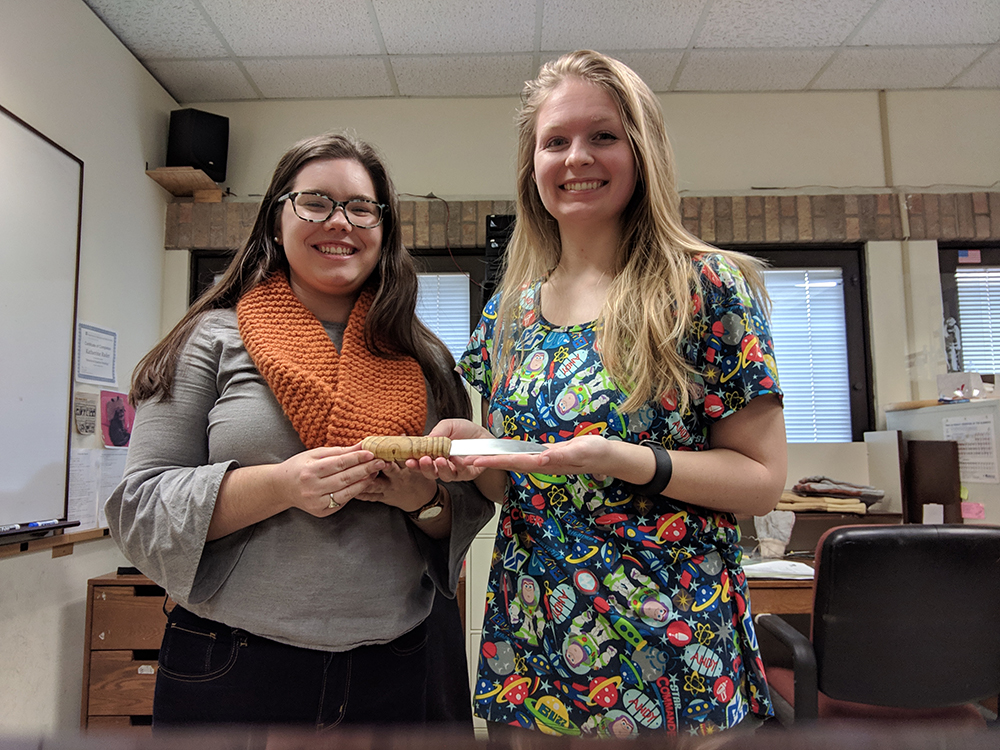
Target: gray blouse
<point x="364" y="575"/>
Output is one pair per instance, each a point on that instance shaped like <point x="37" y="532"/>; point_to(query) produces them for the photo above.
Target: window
<point x="820" y="341"/>
<point x="207" y="267"/>
<point x="979" y="312"/>
<point x="450" y="290"/>
<point x="810" y="345"/>
<point x="818" y="323"/>
<point x="443" y="306"/>
<point x="970" y="293"/>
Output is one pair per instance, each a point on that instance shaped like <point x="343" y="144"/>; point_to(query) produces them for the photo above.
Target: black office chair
<point x="905" y="627"/>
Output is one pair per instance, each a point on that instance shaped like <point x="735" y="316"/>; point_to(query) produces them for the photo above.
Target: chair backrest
<point x="908" y="615"/>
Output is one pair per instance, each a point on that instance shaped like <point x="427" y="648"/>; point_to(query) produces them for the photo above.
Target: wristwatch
<point x="430" y="510"/>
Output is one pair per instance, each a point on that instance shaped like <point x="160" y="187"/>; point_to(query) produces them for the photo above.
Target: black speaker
<point x="200" y="140"/>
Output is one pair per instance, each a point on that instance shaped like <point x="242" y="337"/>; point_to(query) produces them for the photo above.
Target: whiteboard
<point x="41" y="195"/>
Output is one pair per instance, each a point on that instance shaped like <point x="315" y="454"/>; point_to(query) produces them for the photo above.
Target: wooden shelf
<point x="61" y="544"/>
<point x="185" y="181"/>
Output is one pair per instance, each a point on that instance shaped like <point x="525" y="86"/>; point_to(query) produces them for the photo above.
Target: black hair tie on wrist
<point x="661" y="477"/>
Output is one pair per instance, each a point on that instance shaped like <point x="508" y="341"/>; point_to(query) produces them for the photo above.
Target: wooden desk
<point x="780" y="597"/>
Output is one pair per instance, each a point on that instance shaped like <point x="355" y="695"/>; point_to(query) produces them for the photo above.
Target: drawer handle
<point x="146" y="669"/>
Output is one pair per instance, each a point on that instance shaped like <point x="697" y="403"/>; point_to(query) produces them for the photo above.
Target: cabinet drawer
<point x="120" y="684"/>
<point x="127" y="617"/>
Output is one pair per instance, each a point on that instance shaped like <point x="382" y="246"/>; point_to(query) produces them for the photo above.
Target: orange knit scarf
<point x="295" y="355"/>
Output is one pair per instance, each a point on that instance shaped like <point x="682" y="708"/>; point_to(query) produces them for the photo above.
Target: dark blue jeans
<point x="210" y="673"/>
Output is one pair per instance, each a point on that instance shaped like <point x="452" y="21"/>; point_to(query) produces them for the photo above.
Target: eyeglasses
<point x="317" y="208"/>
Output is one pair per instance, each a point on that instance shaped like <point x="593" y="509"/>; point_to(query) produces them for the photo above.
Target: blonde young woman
<point x="641" y="356"/>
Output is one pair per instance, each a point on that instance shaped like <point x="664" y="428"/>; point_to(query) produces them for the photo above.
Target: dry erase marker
<point x="10" y="527"/>
<point x="36" y="524"/>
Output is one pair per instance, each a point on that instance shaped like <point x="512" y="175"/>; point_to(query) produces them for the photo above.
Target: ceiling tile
<point x="655" y="68"/>
<point x="320" y="78"/>
<point x="456" y="26"/>
<point x="202" y="80"/>
<point x="462" y="75"/>
<point x="160" y="28"/>
<point x="984" y="74"/>
<point x="624" y="24"/>
<point x="750" y="69"/>
<point x="284" y="49"/>
<point x="272" y="28"/>
<point x="932" y="22"/>
<point x="896" y="68"/>
<point x="781" y="23"/>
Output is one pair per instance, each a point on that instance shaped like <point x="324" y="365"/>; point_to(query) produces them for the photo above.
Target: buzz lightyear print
<point x="611" y="613"/>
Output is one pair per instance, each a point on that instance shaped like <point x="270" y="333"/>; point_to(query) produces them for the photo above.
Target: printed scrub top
<point x="609" y="613"/>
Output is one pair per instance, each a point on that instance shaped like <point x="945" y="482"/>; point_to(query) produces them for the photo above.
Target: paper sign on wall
<point x="85" y="413"/>
<point x="977" y="448"/>
<point x="96" y="349"/>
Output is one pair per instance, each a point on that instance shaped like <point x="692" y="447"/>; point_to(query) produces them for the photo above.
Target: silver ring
<point x="333" y="503"/>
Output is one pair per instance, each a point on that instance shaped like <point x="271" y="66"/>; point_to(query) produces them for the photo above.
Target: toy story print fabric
<point x="608" y="613"/>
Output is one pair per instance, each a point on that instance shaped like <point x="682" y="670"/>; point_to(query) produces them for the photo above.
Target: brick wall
<point x="727" y="220"/>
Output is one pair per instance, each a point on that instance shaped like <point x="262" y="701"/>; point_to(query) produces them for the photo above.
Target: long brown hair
<point x="648" y="310"/>
<point x="391" y="327"/>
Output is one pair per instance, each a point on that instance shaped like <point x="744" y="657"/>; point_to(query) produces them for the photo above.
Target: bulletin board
<point x="41" y="198"/>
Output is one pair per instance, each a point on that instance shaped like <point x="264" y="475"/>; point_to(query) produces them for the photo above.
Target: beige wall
<point x="725" y="143"/>
<point x="942" y="138"/>
<point x="65" y="74"/>
<point x="453" y="148"/>
<point x="808" y="142"/>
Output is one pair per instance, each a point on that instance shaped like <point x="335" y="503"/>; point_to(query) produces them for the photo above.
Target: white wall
<point x="66" y="75"/>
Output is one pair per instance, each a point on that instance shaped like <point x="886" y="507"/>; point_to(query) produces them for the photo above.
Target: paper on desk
<point x="786" y="569"/>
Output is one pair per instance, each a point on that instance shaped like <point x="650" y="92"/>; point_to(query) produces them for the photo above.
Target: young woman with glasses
<point x="642" y="356"/>
<point x="303" y="568"/>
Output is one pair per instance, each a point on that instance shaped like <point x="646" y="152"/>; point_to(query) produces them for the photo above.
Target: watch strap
<point x="435" y="502"/>
<point x="661" y="477"/>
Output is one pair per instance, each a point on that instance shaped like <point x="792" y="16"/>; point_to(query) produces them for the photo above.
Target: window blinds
<point x="810" y="346"/>
<point x="979" y="312"/>
<point x="443" y="306"/>
<point x="807" y="326"/>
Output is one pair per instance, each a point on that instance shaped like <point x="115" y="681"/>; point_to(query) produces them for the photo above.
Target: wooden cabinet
<point x="125" y="620"/>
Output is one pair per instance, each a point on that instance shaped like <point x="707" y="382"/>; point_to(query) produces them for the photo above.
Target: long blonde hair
<point x="648" y="311"/>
